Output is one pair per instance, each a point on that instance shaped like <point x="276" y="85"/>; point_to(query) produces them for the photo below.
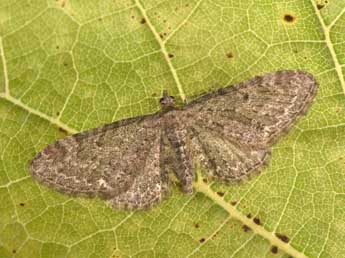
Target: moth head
<point x="167" y="101"/>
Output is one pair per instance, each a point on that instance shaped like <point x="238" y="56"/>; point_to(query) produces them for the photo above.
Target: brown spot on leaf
<point x="245" y="228"/>
<point x="205" y="180"/>
<point x="233" y="203"/>
<point x="283" y="237"/>
<point x="257" y="221"/>
<point x="230" y="55"/>
<point x="161" y="35"/>
<point x="320" y="6"/>
<point x="274" y="249"/>
<point x="289" y="18"/>
<point x="171" y="55"/>
<point x="202" y="240"/>
<point x="196" y="225"/>
<point x="14" y="251"/>
<point x="221" y="194"/>
<point x="63" y="130"/>
<point x="215" y="235"/>
<point x="249" y="216"/>
<point x="143" y="21"/>
<point x="22" y="204"/>
<point x="65" y="64"/>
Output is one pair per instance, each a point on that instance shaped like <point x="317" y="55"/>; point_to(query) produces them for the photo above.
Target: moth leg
<point x="182" y="162"/>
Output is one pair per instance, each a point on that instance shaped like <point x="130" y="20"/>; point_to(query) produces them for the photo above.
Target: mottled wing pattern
<point x="118" y="162"/>
<point x="229" y="131"/>
<point x="232" y="130"/>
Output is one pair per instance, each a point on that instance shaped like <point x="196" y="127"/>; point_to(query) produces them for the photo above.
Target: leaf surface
<point x="71" y="65"/>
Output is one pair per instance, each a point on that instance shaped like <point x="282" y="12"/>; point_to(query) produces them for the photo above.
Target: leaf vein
<point x="201" y="187"/>
<point x="40" y="114"/>
<point x="327" y="29"/>
<point x="163" y="49"/>
<point x="4" y="64"/>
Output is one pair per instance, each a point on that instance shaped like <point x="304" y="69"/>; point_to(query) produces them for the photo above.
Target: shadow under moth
<point x="229" y="132"/>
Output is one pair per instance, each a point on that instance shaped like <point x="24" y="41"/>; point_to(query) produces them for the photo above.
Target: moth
<point x="229" y="132"/>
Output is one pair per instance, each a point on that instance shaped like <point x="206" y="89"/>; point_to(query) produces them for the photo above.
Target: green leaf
<point x="71" y="65"/>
